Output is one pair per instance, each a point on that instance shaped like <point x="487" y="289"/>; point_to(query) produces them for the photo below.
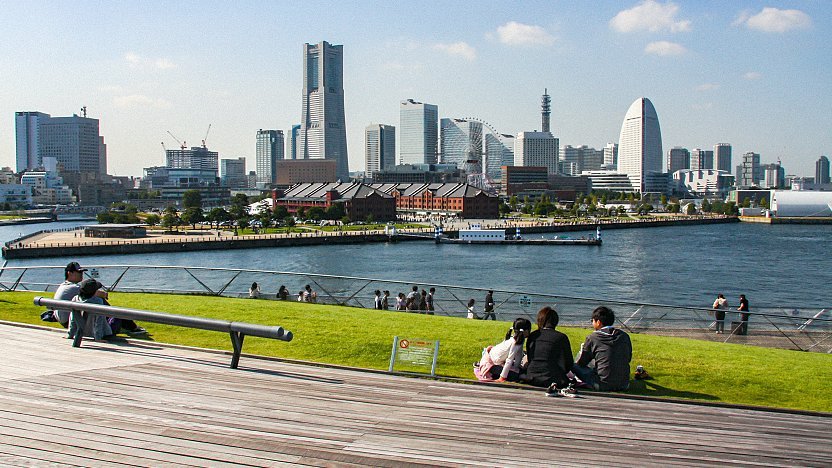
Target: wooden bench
<point x="237" y="330"/>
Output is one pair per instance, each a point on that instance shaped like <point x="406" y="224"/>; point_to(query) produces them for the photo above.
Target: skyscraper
<point x="461" y="141"/>
<point x="701" y="159"/>
<point x="537" y="149"/>
<point x="752" y="171"/>
<point x="722" y="156"/>
<point x="640" y="145"/>
<point x="580" y="159"/>
<point x="379" y="148"/>
<point x="611" y="155"/>
<point x="323" y="132"/>
<point x="774" y="175"/>
<point x="293" y="142"/>
<point x="233" y="173"/>
<point x="499" y="152"/>
<point x="198" y="157"/>
<point x="269" y="150"/>
<point x="822" y="170"/>
<point x="73" y="141"/>
<point x="418" y="132"/>
<point x="678" y="158"/>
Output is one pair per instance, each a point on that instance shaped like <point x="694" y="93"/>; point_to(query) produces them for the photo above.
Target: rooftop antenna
<point x="84" y="111"/>
<point x="546" y="109"/>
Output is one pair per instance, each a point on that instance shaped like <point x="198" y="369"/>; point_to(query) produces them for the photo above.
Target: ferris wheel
<point x="479" y="152"/>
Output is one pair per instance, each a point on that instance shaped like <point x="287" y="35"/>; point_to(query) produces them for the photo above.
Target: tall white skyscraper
<point x="323" y="131"/>
<point x="722" y="156"/>
<point x="611" y="155"/>
<point x="73" y="141"/>
<point x="418" y="132"/>
<point x="379" y="148"/>
<point x="537" y="149"/>
<point x="268" y="151"/>
<point x="640" y="146"/>
<point x="461" y="141"/>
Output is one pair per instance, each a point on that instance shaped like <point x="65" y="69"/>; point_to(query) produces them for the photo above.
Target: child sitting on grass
<point x="502" y="362"/>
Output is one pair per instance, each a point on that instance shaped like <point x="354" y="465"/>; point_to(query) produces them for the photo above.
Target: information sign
<point x="525" y="302"/>
<point x="414" y="354"/>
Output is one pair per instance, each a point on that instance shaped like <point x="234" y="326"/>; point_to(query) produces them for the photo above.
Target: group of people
<point x="77" y="289"/>
<point x="307" y="294"/>
<point x="487" y="311"/>
<point x="720" y="306"/>
<point x="543" y="357"/>
<point x="414" y="301"/>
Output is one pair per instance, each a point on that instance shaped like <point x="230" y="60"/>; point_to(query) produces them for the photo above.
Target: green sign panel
<point x="414" y="354"/>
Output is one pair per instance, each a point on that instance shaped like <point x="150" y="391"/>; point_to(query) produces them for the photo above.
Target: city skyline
<point x="707" y="67"/>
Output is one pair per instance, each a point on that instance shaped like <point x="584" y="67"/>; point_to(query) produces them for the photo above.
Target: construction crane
<point x="206" y="136"/>
<point x="165" y="148"/>
<point x="182" y="144"/>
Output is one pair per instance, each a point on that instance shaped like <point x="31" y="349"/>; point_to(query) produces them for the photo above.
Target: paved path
<point x="142" y="404"/>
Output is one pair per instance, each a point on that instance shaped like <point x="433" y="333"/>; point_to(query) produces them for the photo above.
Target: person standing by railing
<point x="744" y="314"/>
<point x="720" y="306"/>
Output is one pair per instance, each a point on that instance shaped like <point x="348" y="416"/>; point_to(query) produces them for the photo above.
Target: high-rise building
<point x="678" y="158"/>
<point x="580" y="159"/>
<point x="293" y="142"/>
<point x="545" y="111"/>
<point x="268" y="151"/>
<point x="461" y="141"/>
<point x="499" y="152"/>
<point x="233" y="173"/>
<point x="537" y="149"/>
<point x="701" y="159"/>
<point x="774" y="175"/>
<point x="822" y="170"/>
<point x="379" y="148"/>
<point x="418" y="132"/>
<point x="640" y="145"/>
<point x="73" y="141"/>
<point x="323" y="132"/>
<point x="611" y="155"/>
<point x="722" y="156"/>
<point x="198" y="157"/>
<point x="752" y="171"/>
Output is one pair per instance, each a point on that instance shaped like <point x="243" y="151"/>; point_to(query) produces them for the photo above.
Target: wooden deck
<point x="142" y="404"/>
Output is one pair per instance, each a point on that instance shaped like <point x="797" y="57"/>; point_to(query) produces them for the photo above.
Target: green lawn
<point x="680" y="368"/>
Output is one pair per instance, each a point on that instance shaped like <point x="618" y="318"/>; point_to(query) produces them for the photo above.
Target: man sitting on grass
<point x="604" y="360"/>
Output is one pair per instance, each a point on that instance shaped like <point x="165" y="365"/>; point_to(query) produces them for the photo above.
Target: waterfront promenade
<point x="72" y="243"/>
<point x="145" y="404"/>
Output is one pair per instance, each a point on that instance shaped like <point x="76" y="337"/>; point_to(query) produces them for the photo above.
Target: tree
<point x="746" y="203"/>
<point x="316" y="213"/>
<point x="673" y="208"/>
<point x="300" y="213"/>
<point x="265" y="218"/>
<point x="289" y="221"/>
<point x="170" y="220"/>
<point x="731" y="209"/>
<point x="152" y="219"/>
<point x="763" y="203"/>
<point x="706" y="206"/>
<point x="504" y="209"/>
<point x="604" y="199"/>
<point x="280" y="212"/>
<point x="105" y="217"/>
<point x="192" y="199"/>
<point x="217" y="216"/>
<point x="512" y="202"/>
<point x="192" y="216"/>
<point x="369" y="219"/>
<point x="664" y="200"/>
<point x="335" y="212"/>
<point x="691" y="209"/>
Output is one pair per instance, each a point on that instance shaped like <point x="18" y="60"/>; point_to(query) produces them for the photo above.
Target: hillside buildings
<point x="379" y="148"/>
<point x="640" y="146"/>
<point x="323" y="133"/>
<point x="418" y="137"/>
<point x="268" y="151"/>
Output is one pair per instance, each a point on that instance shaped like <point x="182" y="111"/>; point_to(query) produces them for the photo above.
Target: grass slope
<point x="680" y="368"/>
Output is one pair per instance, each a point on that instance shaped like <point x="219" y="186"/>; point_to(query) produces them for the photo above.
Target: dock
<point x="135" y="402"/>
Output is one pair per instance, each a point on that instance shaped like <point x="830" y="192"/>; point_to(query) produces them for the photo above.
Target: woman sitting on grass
<point x="502" y="362"/>
<point x="549" y="352"/>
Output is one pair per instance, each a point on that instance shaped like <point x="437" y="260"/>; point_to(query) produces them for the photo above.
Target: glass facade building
<point x="418" y="132"/>
<point x="269" y="150"/>
<point x="379" y="148"/>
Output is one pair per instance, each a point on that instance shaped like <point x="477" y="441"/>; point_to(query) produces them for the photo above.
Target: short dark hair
<point x="415" y="288"/>
<point x="547" y="317"/>
<point x="605" y="315"/>
<point x="432" y="289"/>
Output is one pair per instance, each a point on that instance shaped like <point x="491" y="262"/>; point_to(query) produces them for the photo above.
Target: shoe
<point x="552" y="391"/>
<point x="137" y="332"/>
<point x="568" y="391"/>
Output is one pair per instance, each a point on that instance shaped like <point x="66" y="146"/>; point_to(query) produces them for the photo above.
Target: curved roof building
<point x="640" y="145"/>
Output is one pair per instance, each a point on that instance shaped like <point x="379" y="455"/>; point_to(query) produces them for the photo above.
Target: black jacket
<point x="550" y="358"/>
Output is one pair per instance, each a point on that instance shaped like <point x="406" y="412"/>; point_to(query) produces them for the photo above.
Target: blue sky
<point x="753" y="74"/>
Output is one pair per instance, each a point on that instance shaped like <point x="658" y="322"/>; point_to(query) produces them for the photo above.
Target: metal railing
<point x="801" y="328"/>
<point x="237" y="330"/>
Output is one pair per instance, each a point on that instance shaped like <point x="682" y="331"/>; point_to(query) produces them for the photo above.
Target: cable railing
<point x="799" y="328"/>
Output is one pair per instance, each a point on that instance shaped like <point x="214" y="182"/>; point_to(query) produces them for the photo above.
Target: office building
<point x="323" y="132"/>
<point x="774" y="175"/>
<point x="461" y="142"/>
<point x="73" y="141"/>
<point x="608" y="180"/>
<point x="678" y="158"/>
<point x="293" y="142"/>
<point x="198" y="157"/>
<point x="233" y="173"/>
<point x="751" y="171"/>
<point x="580" y="159"/>
<point x="822" y="171"/>
<point x="419" y="173"/>
<point x="499" y="152"/>
<point x="537" y="149"/>
<point x="611" y="155"/>
<point x="379" y="148"/>
<point x="418" y="132"/>
<point x="269" y="150"/>
<point x="640" y="145"/>
<point x="298" y="171"/>
<point x="701" y="159"/>
<point x="722" y="156"/>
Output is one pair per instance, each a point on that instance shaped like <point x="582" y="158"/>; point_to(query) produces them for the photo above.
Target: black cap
<point x="88" y="288"/>
<point x="74" y="266"/>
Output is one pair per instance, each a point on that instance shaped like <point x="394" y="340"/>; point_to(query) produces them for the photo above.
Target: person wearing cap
<point x="98" y="328"/>
<point x="73" y="275"/>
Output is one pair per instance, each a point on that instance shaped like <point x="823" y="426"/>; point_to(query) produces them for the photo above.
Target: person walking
<point x="720" y="305"/>
<point x="489" y="306"/>
<point x="744" y="314"/>
<point x="429" y="300"/>
<point x="471" y="313"/>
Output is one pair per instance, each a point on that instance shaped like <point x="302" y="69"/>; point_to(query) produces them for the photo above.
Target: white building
<point x="499" y="152"/>
<point x="418" y="132"/>
<point x="379" y="148"/>
<point x="703" y="182"/>
<point x="268" y="151"/>
<point x="611" y="155"/>
<point x="608" y="180"/>
<point x="640" y="145"/>
<point x="323" y="130"/>
<point x="73" y="141"/>
<point x="810" y="204"/>
<point x="537" y="149"/>
<point x="580" y="159"/>
<point x="46" y="187"/>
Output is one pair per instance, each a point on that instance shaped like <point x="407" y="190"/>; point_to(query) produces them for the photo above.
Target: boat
<point x="476" y="235"/>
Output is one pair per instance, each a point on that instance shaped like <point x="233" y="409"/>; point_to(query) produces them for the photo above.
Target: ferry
<point x="477" y="235"/>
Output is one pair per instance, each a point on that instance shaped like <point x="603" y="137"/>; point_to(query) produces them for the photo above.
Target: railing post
<point x="237" y="343"/>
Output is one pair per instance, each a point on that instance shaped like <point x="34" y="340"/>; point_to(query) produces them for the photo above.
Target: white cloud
<point x="752" y="75"/>
<point x="703" y="106"/>
<point x="664" y="49"/>
<point x="461" y="49"/>
<point x="707" y="87"/>
<point x="137" y="61"/>
<point x="651" y="16"/>
<point x="774" y="20"/>
<point x="133" y="101"/>
<point x="519" y="34"/>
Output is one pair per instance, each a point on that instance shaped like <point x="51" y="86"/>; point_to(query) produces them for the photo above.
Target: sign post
<point x="415" y="355"/>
